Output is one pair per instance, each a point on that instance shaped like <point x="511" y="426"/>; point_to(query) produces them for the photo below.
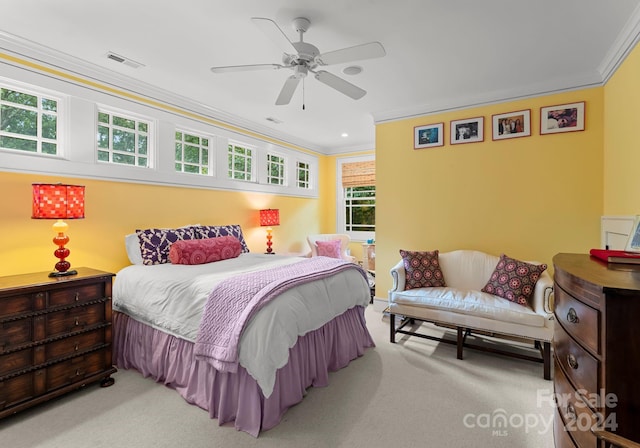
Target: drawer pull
<point x="572" y="316"/>
<point x="76" y="347"/>
<point x="77" y="322"/>
<point x="571" y="412"/>
<point x="572" y="361"/>
<point x="77" y="296"/>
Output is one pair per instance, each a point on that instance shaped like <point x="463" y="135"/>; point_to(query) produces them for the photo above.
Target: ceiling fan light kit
<point x="307" y="58"/>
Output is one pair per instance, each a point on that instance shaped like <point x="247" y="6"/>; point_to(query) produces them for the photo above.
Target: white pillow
<point x="132" y="245"/>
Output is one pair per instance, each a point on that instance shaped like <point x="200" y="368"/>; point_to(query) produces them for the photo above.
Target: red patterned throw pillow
<point x="329" y="248"/>
<point x="422" y="269"/>
<point x="514" y="280"/>
<point x="205" y="250"/>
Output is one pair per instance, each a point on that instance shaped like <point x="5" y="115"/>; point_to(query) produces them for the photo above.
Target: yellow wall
<point x="114" y="209"/>
<point x="621" y="149"/>
<point x="529" y="197"/>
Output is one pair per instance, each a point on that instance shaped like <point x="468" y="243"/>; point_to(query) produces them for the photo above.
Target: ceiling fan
<point x="306" y="59"/>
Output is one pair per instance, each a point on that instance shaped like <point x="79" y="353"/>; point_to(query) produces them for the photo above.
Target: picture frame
<point x="428" y="136"/>
<point x="512" y="124"/>
<point x="468" y="130"/>
<point x="562" y="118"/>
<point x="633" y="243"/>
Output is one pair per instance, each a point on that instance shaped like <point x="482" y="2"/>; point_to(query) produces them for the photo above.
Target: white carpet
<point x="411" y="394"/>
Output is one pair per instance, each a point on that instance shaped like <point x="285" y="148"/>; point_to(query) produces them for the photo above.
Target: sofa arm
<point x="398" y="276"/>
<point x="543" y="295"/>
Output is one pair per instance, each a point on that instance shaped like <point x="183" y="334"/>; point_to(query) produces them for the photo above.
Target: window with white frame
<point x="357" y="198"/>
<point x="123" y="139"/>
<point x="28" y="121"/>
<point x="275" y="169"/>
<point x="192" y="153"/>
<point x="240" y="162"/>
<point x="302" y="175"/>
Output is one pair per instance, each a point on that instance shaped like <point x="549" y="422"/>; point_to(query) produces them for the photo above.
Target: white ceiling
<point x="441" y="54"/>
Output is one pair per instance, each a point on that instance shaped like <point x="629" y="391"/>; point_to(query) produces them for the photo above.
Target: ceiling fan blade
<point x="356" y="53"/>
<point x="245" y="68"/>
<point x="273" y="31"/>
<point x="340" y="85"/>
<point x="287" y="91"/>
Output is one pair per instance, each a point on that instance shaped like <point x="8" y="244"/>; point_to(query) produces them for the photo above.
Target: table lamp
<point x="59" y="202"/>
<point x="269" y="217"/>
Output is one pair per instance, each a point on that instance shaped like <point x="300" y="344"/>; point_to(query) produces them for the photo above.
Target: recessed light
<point x="352" y="70"/>
<point x="344" y="135"/>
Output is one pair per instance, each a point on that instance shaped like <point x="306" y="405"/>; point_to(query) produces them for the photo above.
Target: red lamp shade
<point x="270" y="217"/>
<point x="58" y="201"/>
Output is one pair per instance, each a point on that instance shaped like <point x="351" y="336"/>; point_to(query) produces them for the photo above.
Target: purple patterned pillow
<point x="514" y="280"/>
<point x="422" y="269"/>
<point x="206" y="250"/>
<point x="217" y="231"/>
<point x="155" y="243"/>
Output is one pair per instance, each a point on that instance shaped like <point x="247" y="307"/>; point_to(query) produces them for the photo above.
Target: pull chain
<point x="302" y="93"/>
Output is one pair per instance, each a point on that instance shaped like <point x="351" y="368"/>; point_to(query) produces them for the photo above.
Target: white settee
<point x="461" y="305"/>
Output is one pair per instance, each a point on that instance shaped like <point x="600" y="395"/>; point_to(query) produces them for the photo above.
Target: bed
<point x="306" y="329"/>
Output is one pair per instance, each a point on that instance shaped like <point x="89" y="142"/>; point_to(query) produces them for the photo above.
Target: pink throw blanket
<point x="235" y="300"/>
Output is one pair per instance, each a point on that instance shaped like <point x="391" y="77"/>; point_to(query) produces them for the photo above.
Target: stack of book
<point x="616" y="256"/>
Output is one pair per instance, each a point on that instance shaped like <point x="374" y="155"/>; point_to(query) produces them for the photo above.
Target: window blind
<point x="359" y="174"/>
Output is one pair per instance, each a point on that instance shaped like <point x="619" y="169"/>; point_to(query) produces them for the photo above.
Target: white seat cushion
<point x="469" y="302"/>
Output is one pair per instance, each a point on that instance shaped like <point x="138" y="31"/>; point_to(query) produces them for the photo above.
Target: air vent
<point x="122" y="60"/>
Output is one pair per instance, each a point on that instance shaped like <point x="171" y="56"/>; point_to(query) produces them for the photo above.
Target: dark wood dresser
<point x="596" y="349"/>
<point x="55" y="336"/>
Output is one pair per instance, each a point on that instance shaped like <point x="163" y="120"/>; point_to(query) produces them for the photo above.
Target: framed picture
<point x="512" y="124"/>
<point x="562" y="118"/>
<point x="633" y="243"/>
<point x="469" y="130"/>
<point x="428" y="136"/>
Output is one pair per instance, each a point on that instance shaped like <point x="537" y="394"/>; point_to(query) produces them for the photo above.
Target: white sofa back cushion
<point x="467" y="269"/>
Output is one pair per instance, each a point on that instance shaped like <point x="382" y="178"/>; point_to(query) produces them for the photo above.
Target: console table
<point x="596" y="350"/>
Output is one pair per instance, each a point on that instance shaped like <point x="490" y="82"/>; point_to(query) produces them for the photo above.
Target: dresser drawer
<point x="13" y="362"/>
<point x="561" y="436"/>
<point x="14" y="334"/>
<point x="74" y="319"/>
<point x="75" y="370"/>
<point x="75" y="344"/>
<point x="580" y="320"/>
<point x="581" y="368"/>
<point x="76" y="294"/>
<point x="17" y="390"/>
<point x="578" y="418"/>
<point x="16" y="305"/>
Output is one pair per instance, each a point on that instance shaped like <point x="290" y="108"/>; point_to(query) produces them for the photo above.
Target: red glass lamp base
<point x="62" y="266"/>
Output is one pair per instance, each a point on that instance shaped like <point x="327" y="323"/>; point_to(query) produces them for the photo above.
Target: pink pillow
<point x="205" y="250"/>
<point x="329" y="248"/>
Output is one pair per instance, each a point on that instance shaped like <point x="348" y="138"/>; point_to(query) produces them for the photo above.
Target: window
<point x="275" y="169"/>
<point x="302" y="170"/>
<point x="240" y="162"/>
<point x="123" y="140"/>
<point x="357" y="199"/>
<point x="28" y="122"/>
<point x="192" y="153"/>
<point x="360" y="209"/>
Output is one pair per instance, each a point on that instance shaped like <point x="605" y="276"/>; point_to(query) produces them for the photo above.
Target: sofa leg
<point x="546" y="359"/>
<point x="460" y="342"/>
<point x="392" y="328"/>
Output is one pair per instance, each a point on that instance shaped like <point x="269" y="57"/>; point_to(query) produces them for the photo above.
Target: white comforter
<point x="171" y="298"/>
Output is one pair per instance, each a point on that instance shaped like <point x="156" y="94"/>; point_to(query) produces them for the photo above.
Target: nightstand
<point x="55" y="336"/>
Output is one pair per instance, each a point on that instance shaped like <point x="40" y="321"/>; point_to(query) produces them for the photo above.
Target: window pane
<point x="124" y="122"/>
<point x="191" y="169"/>
<point x="19" y="121"/>
<point x="123" y="141"/>
<point x="124" y="159"/>
<point x="142" y="145"/>
<point x="103" y="118"/>
<point x="191" y="154"/>
<point x="142" y="161"/>
<point x="49" y="126"/>
<point x="142" y="127"/>
<point x="19" y="143"/>
<point x="50" y="105"/>
<point x="103" y="137"/>
<point x="25" y="99"/>
<point x="103" y="156"/>
<point x="191" y="139"/>
<point x="49" y="148"/>
<point x="178" y="167"/>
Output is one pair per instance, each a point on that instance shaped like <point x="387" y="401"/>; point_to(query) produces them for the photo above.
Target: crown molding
<point x="50" y="58"/>
<point x="624" y="43"/>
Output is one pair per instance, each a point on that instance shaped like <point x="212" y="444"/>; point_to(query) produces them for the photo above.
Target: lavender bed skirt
<point x="236" y="397"/>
